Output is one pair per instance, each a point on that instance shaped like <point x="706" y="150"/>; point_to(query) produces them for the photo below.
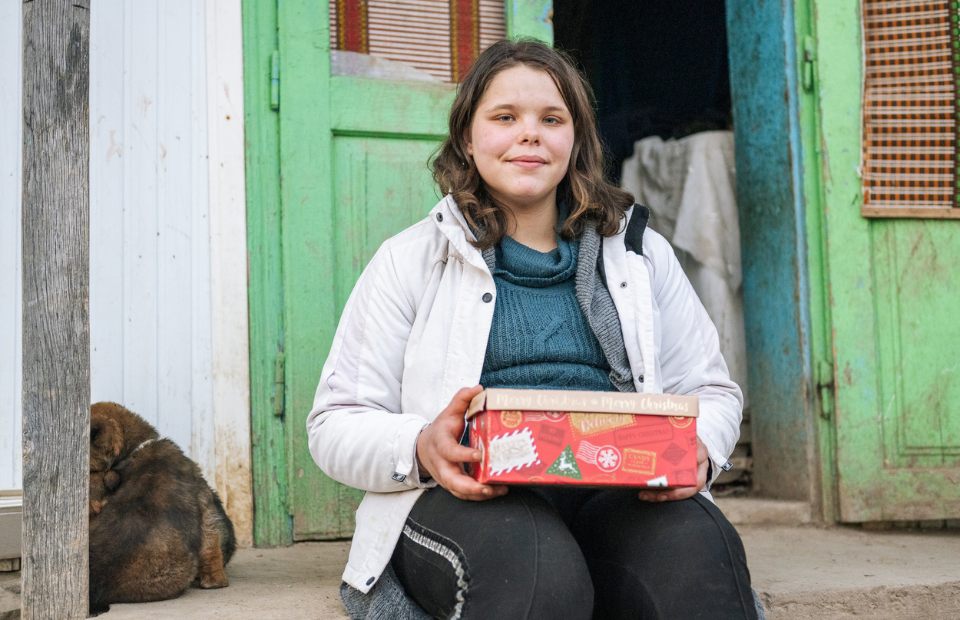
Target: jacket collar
<point x="447" y="217"/>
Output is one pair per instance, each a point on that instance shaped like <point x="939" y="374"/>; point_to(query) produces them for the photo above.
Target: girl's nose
<point x="529" y="133"/>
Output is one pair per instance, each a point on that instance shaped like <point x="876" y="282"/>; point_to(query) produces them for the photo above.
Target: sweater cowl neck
<point x="524" y="266"/>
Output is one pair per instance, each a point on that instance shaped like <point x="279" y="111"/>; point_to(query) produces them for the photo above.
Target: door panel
<point x="917" y="269"/>
<point x="381" y="186"/>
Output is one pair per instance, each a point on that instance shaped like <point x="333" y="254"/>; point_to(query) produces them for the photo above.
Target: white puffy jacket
<point x="415" y="329"/>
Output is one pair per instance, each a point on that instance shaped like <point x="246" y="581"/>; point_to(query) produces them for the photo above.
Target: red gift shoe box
<point x="584" y="438"/>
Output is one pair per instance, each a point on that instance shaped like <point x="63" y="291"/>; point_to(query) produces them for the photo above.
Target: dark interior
<point x="658" y="67"/>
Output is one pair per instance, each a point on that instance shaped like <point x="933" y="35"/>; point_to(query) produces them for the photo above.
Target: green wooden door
<point x="893" y="291"/>
<point x="353" y="162"/>
<point x="350" y="171"/>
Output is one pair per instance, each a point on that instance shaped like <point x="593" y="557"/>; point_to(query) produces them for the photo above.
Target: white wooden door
<point x="11" y="120"/>
<point x="168" y="323"/>
<point x="150" y="218"/>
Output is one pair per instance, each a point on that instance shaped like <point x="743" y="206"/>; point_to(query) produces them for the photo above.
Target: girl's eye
<point x="504" y="117"/>
<point x="552" y="120"/>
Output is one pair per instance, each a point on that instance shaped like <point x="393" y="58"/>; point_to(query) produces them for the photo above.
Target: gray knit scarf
<point x="596" y="304"/>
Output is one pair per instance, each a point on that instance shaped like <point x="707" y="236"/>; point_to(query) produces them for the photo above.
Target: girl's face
<point x="521" y="138"/>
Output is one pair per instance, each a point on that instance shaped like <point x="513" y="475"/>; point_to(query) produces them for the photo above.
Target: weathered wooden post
<point x="56" y="327"/>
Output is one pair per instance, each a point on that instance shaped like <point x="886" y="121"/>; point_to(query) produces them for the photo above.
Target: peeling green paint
<point x="764" y="82"/>
<point x="271" y="525"/>
<point x="530" y="18"/>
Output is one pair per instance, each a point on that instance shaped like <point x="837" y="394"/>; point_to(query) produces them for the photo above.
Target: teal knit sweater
<point x="540" y="337"/>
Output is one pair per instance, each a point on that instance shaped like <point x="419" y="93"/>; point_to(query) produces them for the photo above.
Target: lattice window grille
<point x="912" y="72"/>
<point x="440" y="37"/>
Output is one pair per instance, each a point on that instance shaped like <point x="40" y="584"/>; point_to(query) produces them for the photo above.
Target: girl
<point x="533" y="271"/>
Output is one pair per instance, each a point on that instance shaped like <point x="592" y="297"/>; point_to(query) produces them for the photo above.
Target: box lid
<point x="500" y="399"/>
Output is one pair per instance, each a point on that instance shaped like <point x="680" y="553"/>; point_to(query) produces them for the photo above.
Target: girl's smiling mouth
<point x="528" y="162"/>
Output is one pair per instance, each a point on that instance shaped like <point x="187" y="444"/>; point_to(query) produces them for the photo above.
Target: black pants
<point x="572" y="554"/>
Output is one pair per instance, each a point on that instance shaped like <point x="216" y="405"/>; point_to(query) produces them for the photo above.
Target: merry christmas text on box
<point x="584" y="438"/>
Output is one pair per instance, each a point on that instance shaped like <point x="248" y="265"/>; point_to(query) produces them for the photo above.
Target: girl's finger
<point x="461" y="400"/>
<point x="455" y="453"/>
<point x="463" y="485"/>
<point x="668" y="496"/>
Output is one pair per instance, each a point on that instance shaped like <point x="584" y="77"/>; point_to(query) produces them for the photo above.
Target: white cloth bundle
<point x="689" y="185"/>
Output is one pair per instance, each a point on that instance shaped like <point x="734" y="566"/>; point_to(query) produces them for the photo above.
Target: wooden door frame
<point x="825" y="496"/>
<point x="787" y="318"/>
<point x="277" y="308"/>
<point x="271" y="520"/>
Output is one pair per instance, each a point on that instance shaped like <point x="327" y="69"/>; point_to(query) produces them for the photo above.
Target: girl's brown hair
<point x="589" y="197"/>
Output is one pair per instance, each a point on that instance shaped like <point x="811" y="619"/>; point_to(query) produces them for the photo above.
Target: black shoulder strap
<point x="633" y="238"/>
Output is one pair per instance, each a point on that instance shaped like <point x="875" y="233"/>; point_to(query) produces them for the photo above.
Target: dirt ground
<point x="801" y="573"/>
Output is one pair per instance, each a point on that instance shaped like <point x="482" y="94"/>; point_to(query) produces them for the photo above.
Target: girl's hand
<point x="440" y="454"/>
<point x="685" y="492"/>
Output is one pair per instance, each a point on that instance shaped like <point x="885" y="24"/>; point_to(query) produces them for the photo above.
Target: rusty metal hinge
<point x="825" y="387"/>
<point x="278" y="382"/>
<point x="809" y="58"/>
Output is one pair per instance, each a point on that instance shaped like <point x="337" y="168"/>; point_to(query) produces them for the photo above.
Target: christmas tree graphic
<point x="566" y="465"/>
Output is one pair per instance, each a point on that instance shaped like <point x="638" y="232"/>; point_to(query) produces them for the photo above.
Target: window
<point x="912" y="68"/>
<point x="439" y="37"/>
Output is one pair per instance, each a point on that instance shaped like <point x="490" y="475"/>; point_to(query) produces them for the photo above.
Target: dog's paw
<point x="96" y="506"/>
<point x="217" y="579"/>
<point x="111" y="480"/>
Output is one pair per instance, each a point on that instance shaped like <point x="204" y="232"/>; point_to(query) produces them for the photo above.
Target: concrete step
<point x="755" y="511"/>
<point x="302" y="581"/>
<point x="842" y="573"/>
<point x="800" y="572"/>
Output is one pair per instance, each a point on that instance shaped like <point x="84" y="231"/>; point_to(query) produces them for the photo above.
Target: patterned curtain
<point x="912" y="67"/>
<point x="440" y="37"/>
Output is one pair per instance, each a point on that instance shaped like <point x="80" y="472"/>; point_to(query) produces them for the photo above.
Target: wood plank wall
<point x="167" y="231"/>
<point x="150" y="251"/>
<point x="150" y="254"/>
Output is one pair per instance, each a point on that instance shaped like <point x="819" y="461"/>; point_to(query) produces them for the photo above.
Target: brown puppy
<point x="102" y="483"/>
<point x="156" y="526"/>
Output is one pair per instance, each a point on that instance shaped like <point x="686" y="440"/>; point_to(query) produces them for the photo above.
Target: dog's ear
<point x="106" y="438"/>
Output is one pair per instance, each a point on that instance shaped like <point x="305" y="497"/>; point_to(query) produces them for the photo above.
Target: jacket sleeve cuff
<point x="413" y="478"/>
<point x="404" y="450"/>
<point x="718" y="464"/>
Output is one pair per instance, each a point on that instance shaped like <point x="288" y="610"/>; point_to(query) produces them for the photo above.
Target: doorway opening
<point x="660" y="73"/>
